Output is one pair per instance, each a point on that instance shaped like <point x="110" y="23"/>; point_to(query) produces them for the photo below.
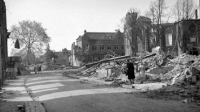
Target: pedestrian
<point x="130" y="71"/>
<point x="35" y="68"/>
<point x="40" y="68"/>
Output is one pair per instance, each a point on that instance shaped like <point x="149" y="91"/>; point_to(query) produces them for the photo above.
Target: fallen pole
<point x="106" y="60"/>
<point x="118" y="58"/>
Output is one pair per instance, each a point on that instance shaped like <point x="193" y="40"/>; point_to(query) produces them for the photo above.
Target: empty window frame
<point x="122" y="46"/>
<point x="94" y="47"/>
<point x="101" y="47"/>
<point x="108" y="47"/>
<point x="116" y="47"/>
<point x="168" y="39"/>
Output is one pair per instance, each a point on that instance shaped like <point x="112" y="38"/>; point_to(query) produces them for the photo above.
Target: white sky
<point x="65" y="20"/>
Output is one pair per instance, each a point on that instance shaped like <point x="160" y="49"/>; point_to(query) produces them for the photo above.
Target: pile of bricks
<point x="185" y="77"/>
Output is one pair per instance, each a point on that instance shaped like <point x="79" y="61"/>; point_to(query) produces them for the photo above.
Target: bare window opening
<point x="194" y="51"/>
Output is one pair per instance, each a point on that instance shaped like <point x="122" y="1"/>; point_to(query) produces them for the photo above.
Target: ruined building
<point x="137" y="34"/>
<point x="181" y="37"/>
<point x="188" y="36"/>
<point x="175" y="38"/>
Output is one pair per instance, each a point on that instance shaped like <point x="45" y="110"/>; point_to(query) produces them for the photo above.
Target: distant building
<point x="63" y="57"/>
<point x="95" y="45"/>
<point x="3" y="42"/>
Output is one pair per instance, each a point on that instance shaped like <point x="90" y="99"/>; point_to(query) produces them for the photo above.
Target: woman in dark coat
<point x="130" y="71"/>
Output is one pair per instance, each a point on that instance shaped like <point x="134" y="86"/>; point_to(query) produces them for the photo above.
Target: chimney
<point x="199" y="7"/>
<point x="196" y="14"/>
<point x="85" y="31"/>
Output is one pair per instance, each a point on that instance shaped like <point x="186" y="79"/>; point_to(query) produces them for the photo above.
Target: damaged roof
<point x="101" y="35"/>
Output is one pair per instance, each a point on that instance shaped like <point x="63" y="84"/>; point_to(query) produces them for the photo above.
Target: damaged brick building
<point x="176" y="38"/>
<point x="181" y="37"/>
<point x="188" y="34"/>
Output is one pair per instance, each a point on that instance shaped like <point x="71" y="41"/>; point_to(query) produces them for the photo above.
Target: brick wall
<point x="189" y="36"/>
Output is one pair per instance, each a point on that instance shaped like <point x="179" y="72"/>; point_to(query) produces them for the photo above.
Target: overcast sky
<point x="65" y="20"/>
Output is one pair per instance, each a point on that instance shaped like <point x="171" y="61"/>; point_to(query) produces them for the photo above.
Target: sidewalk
<point x="14" y="94"/>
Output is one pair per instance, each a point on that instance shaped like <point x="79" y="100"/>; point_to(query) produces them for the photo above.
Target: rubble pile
<point x="112" y="70"/>
<point x="181" y="72"/>
<point x="158" y="60"/>
<point x="70" y="72"/>
<point x="56" y="67"/>
<point x="152" y="62"/>
<point x="185" y="92"/>
<point x="184" y="59"/>
<point x="175" y="67"/>
<point x="89" y="71"/>
<point x="183" y="65"/>
<point x="184" y="77"/>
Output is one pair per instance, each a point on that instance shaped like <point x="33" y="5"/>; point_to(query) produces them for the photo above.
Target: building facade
<point x="95" y="45"/>
<point x="3" y="41"/>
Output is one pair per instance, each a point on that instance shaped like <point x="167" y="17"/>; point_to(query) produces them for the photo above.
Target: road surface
<point x="63" y="94"/>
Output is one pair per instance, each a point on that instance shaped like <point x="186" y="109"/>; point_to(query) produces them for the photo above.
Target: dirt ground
<point x="10" y="106"/>
<point x="167" y="96"/>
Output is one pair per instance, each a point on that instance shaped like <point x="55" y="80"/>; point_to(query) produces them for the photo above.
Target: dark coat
<point x="130" y="70"/>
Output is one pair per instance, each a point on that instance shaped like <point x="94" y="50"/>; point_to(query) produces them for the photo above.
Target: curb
<point x="74" y="77"/>
<point x="33" y="106"/>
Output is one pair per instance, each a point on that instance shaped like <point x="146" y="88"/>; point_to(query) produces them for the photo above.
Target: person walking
<point x="130" y="71"/>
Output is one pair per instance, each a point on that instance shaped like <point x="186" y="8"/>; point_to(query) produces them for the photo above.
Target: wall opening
<point x="194" y="51"/>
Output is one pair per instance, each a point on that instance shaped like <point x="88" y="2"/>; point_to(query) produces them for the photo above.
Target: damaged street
<point x="65" y="94"/>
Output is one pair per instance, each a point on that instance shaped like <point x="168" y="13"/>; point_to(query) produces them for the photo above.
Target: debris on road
<point x="181" y="73"/>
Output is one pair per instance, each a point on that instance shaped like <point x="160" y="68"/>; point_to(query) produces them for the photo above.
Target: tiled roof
<point x="100" y="35"/>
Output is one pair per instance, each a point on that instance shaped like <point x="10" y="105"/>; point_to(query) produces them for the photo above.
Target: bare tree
<point x="32" y="37"/>
<point x="157" y="12"/>
<point x="160" y="7"/>
<point x="151" y="13"/>
<point x="183" y="9"/>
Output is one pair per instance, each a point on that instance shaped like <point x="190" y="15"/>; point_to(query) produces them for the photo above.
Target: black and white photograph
<point x="99" y="55"/>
